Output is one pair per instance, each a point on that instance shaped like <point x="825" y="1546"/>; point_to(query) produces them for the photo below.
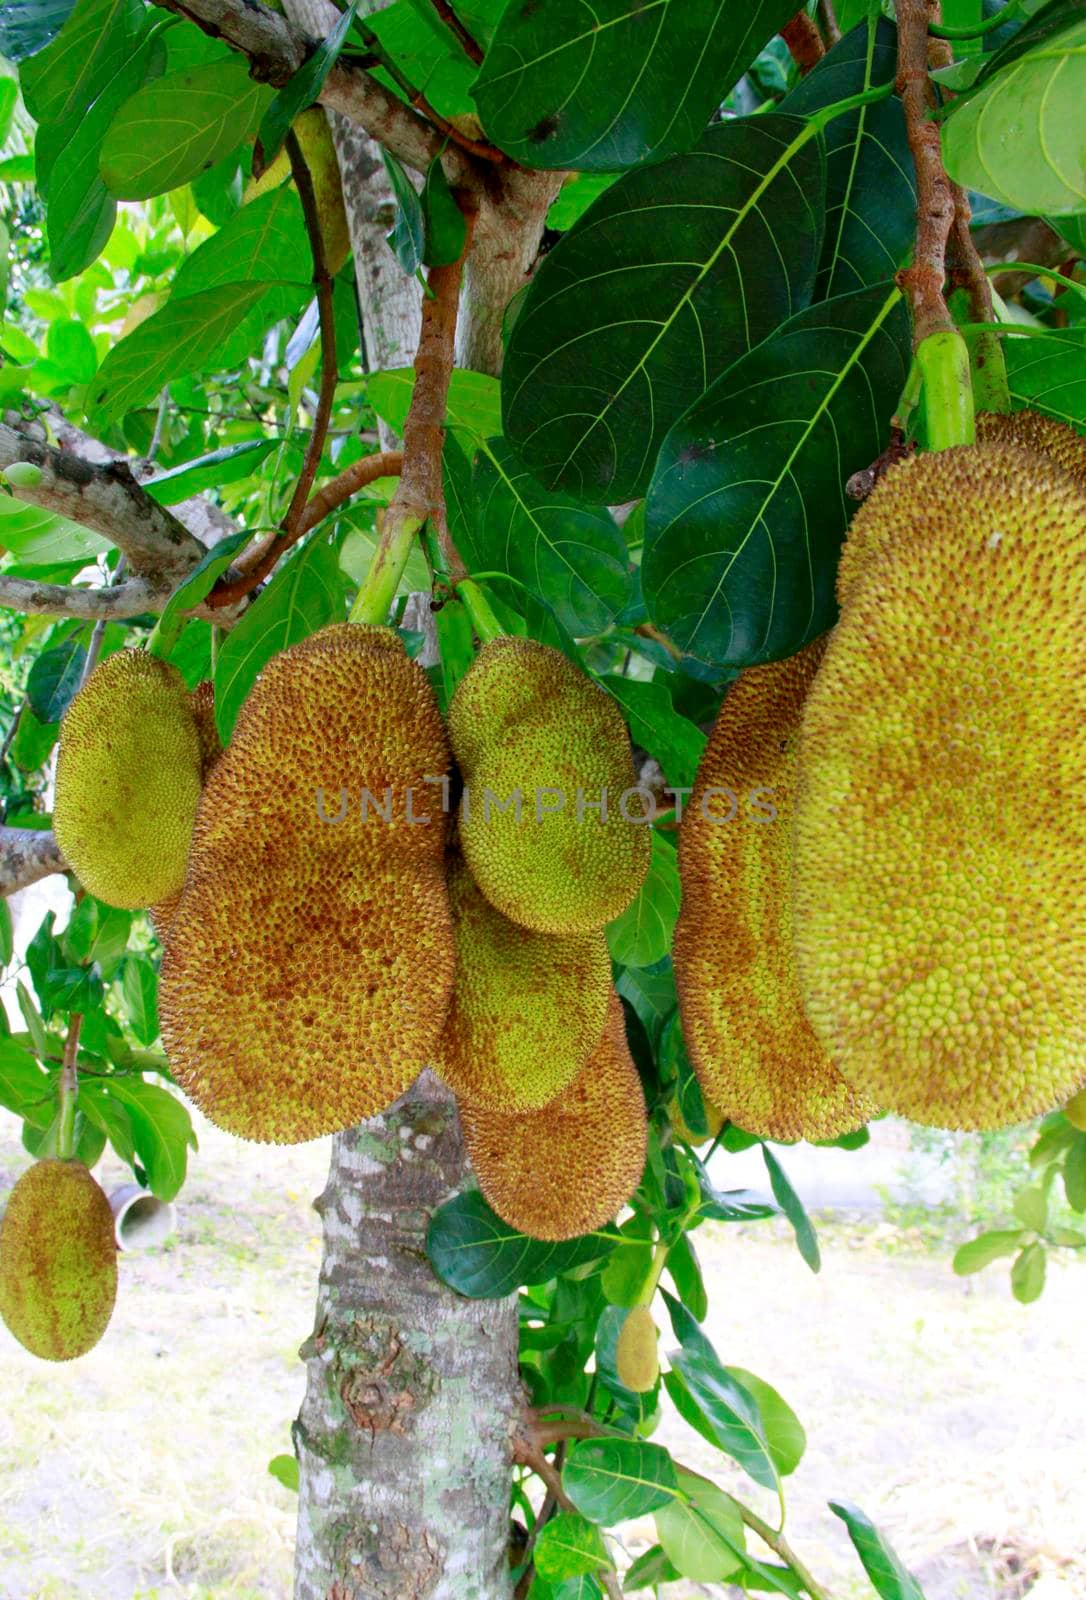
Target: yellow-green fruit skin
<point x="1075" y="1111"/>
<point x="637" y="1361"/>
<point x="58" y="1261"/>
<point x="317" y="146"/>
<point x="525" y="720"/>
<point x="527" y="1009"/>
<point x="756" y="1056"/>
<point x="202" y="704"/>
<point x="940" y="897"/>
<point x="562" y="1171"/>
<point x="310" y="961"/>
<point x="128" y="781"/>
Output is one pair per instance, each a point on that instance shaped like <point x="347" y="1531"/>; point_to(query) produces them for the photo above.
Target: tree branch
<point x="804" y="42"/>
<point x="922" y="283"/>
<point x="831" y="28"/>
<point x="27" y="856"/>
<point x="130" y="599"/>
<point x="383" y="464"/>
<point x="470" y="46"/>
<point x="108" y="500"/>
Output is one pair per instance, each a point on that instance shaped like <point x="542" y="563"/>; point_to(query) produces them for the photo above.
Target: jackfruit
<point x="536" y="737"/>
<point x="309" y="964"/>
<point x="527" y="1009"/>
<point x="318" y="147"/>
<point x="202" y="704"/>
<point x="754" y="1052"/>
<point x="565" y="1170"/>
<point x="128" y="781"/>
<point x="58" y="1261"/>
<point x="940" y="902"/>
<point x="637" y="1361"/>
<point x="1075" y="1111"/>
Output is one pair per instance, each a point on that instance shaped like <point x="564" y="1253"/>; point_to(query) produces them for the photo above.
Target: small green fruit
<point x="636" y="1359"/>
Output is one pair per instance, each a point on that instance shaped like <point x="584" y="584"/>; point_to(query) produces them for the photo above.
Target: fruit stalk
<point x="68" y="1093"/>
<point x="923" y="281"/>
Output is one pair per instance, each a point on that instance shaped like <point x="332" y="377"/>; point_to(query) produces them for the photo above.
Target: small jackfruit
<point x="318" y="147"/>
<point x="527" y="1009"/>
<point x="128" y="781"/>
<point x="58" y="1261"/>
<point x="539" y="746"/>
<point x="940" y="902"/>
<point x="753" y="1050"/>
<point x="637" y="1361"/>
<point x="309" y="964"/>
<point x="562" y="1171"/>
<point x="1075" y="1111"/>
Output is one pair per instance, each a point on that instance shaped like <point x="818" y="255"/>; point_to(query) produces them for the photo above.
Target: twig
<point x="827" y="16"/>
<point x="470" y="46"/>
<point x="780" y="1547"/>
<point x="382" y="464"/>
<point x="923" y="282"/>
<point x="68" y="1089"/>
<point x="473" y="147"/>
<point x="804" y="42"/>
<point x="160" y="423"/>
<point x="129" y="599"/>
<point x="94" y="649"/>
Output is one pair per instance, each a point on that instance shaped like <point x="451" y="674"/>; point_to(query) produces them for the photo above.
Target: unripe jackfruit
<point x="128" y="781"/>
<point x="58" y="1261"/>
<point x="755" y="1054"/>
<point x="310" y="961"/>
<point x="536" y="737"/>
<point x="1030" y="430"/>
<point x="940" y="895"/>
<point x="318" y="147"/>
<point x="637" y="1361"/>
<point x="527" y="1009"/>
<point x="202" y="703"/>
<point x="562" y="1171"/>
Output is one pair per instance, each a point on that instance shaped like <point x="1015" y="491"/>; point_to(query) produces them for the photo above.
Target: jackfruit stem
<point x="374" y="600"/>
<point x="68" y="1090"/>
<point x="651" y="1284"/>
<point x="976" y="29"/>
<point x="483" y="620"/>
<point x="947" y="394"/>
<point x="165" y="634"/>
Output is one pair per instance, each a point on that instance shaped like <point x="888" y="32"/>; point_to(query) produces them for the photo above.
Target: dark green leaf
<point x="653" y="294"/>
<point x="685" y="1271"/>
<point x="615" y="1480"/>
<point x="73" y="989"/>
<point x="140" y="989"/>
<point x="473" y="1251"/>
<point x="1074" y="1175"/>
<point x="627" y="1267"/>
<point x="7" y="938"/>
<point x="198" y="583"/>
<point x="303" y="88"/>
<point x="443" y="220"/>
<point x="641" y="936"/>
<point x="980" y="1252"/>
<point x="211" y="471"/>
<point x="82" y="930"/>
<point x="747" y="508"/>
<point x="285" y="1470"/>
<point x="881" y="1563"/>
<point x="54" y="679"/>
<point x="785" y="1436"/>
<point x="622" y="83"/>
<point x="724" y="1411"/>
<point x="675" y="741"/>
<point x="568" y="1546"/>
<point x="407" y="239"/>
<point x="1048" y="374"/>
<point x="108" y="1114"/>
<point x="24" y="1087"/>
<point x="33" y="741"/>
<point x="702" y="1533"/>
<point x="650" y="990"/>
<point x="792" y="1206"/>
<point x="161" y="1130"/>
<point x="29" y="27"/>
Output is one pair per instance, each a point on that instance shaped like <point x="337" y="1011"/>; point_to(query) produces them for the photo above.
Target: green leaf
<point x="978" y="1253"/>
<point x="71" y="348"/>
<point x="1048" y="374"/>
<point x="264" y="242"/>
<point x="723" y="1411"/>
<point x="99" y="1107"/>
<point x="702" y="1534"/>
<point x="32" y="1017"/>
<point x="568" y="1546"/>
<point x="7" y="936"/>
<point x="37" y="537"/>
<point x="304" y="595"/>
<point x="747" y="508"/>
<point x="666" y="280"/>
<point x="285" y="1470"/>
<point x="27" y="28"/>
<point x="24" y="1087"/>
<point x="1017" y="137"/>
<point x="407" y="239"/>
<point x="881" y="1563"/>
<point x="303" y="88"/>
<point x="622" y="83"/>
<point x="651" y="1569"/>
<point x="792" y="1206"/>
<point x="443" y="220"/>
<point x="161" y="1131"/>
<point x="685" y="1271"/>
<point x="178" y="126"/>
<point x="1074" y="1175"/>
<point x="474" y="1252"/>
<point x="575" y="196"/>
<point x="675" y="742"/>
<point x="140" y="989"/>
<point x="197" y="584"/>
<point x="228" y="465"/>
<point x="79" y="936"/>
<point x="54" y="679"/>
<point x="473" y="404"/>
<point x="1031" y="1208"/>
<point x="1028" y="1274"/>
<point x="641" y="936"/>
<point x="870" y="184"/>
<point x="785" y="1436"/>
<point x="173" y="342"/>
<point x="615" y="1480"/>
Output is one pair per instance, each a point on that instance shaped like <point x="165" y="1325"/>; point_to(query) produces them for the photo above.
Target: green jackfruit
<point x="527" y="1009"/>
<point x="637" y="1361"/>
<point x="536" y="737"/>
<point x="318" y="148"/>
<point x="940" y="902"/>
<point x="755" y="1054"/>
<point x="310" y="961"/>
<point x="202" y="704"/>
<point x="58" y="1261"/>
<point x="569" y="1168"/>
<point x="128" y="781"/>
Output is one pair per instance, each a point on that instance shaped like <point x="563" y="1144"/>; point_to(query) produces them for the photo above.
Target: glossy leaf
<point x="1048" y="373"/>
<point x="303" y="88"/>
<point x="615" y="1480"/>
<point x="264" y="242"/>
<point x="198" y="583"/>
<point x="674" y="272"/>
<point x="210" y="471"/>
<point x="880" y="1561"/>
<point x="27" y="28"/>
<point x="7" y="933"/>
<point x="473" y="1251"/>
<point x="107" y="1113"/>
<point x="793" y="1208"/>
<point x="37" y="537"/>
<point x="641" y="936"/>
<point x="702" y="1533"/>
<point x="1028" y="1274"/>
<point x="473" y="404"/>
<point x="747" y="507"/>
<point x="54" y="679"/>
<point x="1074" y="1175"/>
<point x="408" y="237"/>
<point x="604" y="88"/>
<point x="675" y="741"/>
<point x="161" y="1131"/>
<point x="443" y="221"/>
<point x="651" y="1569"/>
<point x="568" y="1546"/>
<point x="723" y="1411"/>
<point x="785" y="1435"/>
<point x="140" y="987"/>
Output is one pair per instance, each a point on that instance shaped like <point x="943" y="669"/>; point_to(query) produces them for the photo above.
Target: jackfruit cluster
<point x="58" y="1261"/>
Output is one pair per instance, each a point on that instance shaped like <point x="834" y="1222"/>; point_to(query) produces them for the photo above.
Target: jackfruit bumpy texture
<point x="525" y="719"/>
<point x="202" y="703"/>
<point x="527" y="1009"/>
<point x="940" y="868"/>
<point x="128" y="781"/>
<point x="58" y="1261"/>
<point x="562" y="1171"/>
<point x="637" y="1360"/>
<point x="309" y="964"/>
<point x="755" y="1054"/>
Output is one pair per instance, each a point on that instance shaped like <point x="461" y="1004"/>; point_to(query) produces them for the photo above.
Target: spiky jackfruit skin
<point x="940" y="901"/>
<point x="755" y="1054"/>
<point x="309" y="964"/>
<point x="128" y="781"/>
<point x="562" y="1171"/>
<point x="58" y="1261"/>
<point x="527" y="1009"/>
<point x="637" y="1360"/>
<point x="525" y="719"/>
<point x="202" y="703"/>
<point x="1032" y="431"/>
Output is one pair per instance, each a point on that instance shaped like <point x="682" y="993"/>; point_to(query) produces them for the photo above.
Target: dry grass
<point x="955" y="1417"/>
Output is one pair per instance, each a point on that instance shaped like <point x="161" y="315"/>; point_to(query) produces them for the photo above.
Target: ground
<point x="954" y="1416"/>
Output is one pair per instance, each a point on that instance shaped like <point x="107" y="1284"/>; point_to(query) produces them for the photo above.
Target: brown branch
<point x="382" y="464"/>
<point x="470" y="46"/>
<point x="923" y="282"/>
<point x="804" y="42"/>
<point x="26" y="856"/>
<point x="474" y="147"/>
<point x="780" y="1547"/>
<point x="827" y="16"/>
<point x="527" y="1453"/>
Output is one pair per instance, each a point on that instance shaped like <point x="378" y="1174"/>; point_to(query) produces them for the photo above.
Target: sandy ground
<point x="955" y="1417"/>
